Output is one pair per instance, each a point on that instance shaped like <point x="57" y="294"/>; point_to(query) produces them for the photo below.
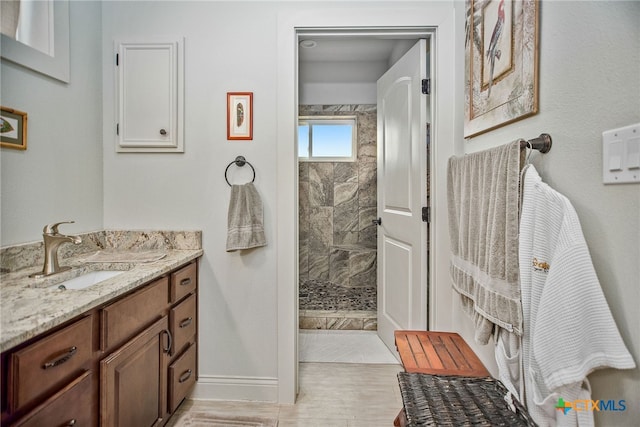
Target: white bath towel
<point x="483" y="199"/>
<point x="245" y="227"/>
<point x="568" y="328"/>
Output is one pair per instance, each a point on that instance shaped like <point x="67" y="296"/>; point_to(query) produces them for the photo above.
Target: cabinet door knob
<point x="163" y="132"/>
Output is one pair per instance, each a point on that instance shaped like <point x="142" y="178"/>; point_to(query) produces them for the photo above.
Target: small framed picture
<point x="13" y="128"/>
<point x="239" y="115"/>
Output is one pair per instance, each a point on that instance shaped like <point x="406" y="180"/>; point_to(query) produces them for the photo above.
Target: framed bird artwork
<point x="501" y="67"/>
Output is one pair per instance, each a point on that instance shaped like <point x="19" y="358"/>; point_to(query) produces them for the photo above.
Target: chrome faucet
<point x="52" y="241"/>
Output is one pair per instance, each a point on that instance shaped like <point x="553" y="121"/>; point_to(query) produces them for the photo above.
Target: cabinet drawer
<point x="48" y="364"/>
<point x="182" y="377"/>
<point x="129" y="316"/>
<point x="183" y="322"/>
<point x="183" y="282"/>
<point x="72" y="406"/>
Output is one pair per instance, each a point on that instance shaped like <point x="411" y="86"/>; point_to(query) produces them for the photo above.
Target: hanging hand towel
<point x="245" y="228"/>
<point x="483" y="198"/>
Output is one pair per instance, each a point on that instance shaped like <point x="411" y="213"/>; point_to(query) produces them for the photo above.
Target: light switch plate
<point x="621" y="155"/>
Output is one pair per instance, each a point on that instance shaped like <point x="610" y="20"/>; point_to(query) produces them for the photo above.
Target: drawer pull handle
<point x="59" y="361"/>
<point x="185" y="376"/>
<point x="186" y="322"/>
<point x="167" y="349"/>
<point x="185" y="282"/>
<point x="70" y="423"/>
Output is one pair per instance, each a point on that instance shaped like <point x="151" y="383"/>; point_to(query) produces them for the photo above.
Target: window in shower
<point x="327" y="139"/>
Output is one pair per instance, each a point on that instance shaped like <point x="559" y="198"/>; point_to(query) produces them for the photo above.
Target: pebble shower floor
<point x="324" y="295"/>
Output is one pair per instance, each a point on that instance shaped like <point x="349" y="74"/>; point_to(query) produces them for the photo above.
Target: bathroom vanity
<point x="120" y="352"/>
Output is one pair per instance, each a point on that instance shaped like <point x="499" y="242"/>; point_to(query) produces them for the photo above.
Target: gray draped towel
<point x="245" y="227"/>
<point x="483" y="204"/>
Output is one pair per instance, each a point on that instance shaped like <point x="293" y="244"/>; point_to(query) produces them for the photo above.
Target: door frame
<point x="438" y="19"/>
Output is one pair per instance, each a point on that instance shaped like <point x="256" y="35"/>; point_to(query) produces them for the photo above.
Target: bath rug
<point x="205" y="419"/>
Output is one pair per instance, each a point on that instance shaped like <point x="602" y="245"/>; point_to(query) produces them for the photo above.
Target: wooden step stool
<point x="436" y="353"/>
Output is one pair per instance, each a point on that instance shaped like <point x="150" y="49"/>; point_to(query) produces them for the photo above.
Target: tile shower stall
<point x="337" y="206"/>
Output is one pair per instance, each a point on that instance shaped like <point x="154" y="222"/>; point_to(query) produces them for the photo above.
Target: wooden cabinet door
<point x="134" y="380"/>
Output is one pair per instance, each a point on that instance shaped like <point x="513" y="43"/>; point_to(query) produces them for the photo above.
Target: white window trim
<point x="352" y="120"/>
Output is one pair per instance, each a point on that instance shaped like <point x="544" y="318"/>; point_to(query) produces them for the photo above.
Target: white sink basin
<point x="86" y="280"/>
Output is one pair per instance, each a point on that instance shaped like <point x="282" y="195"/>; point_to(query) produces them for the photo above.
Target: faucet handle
<point x="53" y="228"/>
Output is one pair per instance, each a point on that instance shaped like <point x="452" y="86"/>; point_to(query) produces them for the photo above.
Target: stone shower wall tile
<point x="321" y="184"/>
<point x="345" y="211"/>
<point x="304" y="210"/>
<point x="367" y="185"/>
<point x="346" y="237"/>
<point x="345" y="172"/>
<point x="318" y="266"/>
<point x="338" y="200"/>
<point x="338" y="266"/>
<point x="321" y="229"/>
<point x="367" y="230"/>
<point x="303" y="259"/>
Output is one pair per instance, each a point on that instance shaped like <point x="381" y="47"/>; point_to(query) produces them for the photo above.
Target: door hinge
<point x="117" y="128"/>
<point x="117" y="59"/>
<point x="426" y="214"/>
<point x="426" y="86"/>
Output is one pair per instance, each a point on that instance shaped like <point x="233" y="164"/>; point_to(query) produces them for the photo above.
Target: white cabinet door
<point x="150" y="96"/>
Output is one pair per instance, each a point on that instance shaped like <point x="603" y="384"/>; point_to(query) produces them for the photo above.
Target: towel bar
<point x="541" y="143"/>
<point x="239" y="161"/>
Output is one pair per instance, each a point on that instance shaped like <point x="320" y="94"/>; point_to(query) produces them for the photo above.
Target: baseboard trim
<point x="219" y="387"/>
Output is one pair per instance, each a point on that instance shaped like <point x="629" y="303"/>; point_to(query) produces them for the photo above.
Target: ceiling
<point x="348" y="59"/>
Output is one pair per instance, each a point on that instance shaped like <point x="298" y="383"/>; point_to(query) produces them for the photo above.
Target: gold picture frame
<point x="13" y="128"/>
<point x="239" y="115"/>
<point x="501" y="65"/>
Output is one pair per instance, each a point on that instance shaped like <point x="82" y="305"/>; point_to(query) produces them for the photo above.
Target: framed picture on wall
<point x="13" y="128"/>
<point x="501" y="66"/>
<point x="239" y="115"/>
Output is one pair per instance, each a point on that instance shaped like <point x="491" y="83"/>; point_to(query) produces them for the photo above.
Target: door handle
<point x="377" y="221"/>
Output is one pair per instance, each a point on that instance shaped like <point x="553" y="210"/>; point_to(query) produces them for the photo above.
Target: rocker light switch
<point x="633" y="153"/>
<point x="615" y="156"/>
<point x="621" y="155"/>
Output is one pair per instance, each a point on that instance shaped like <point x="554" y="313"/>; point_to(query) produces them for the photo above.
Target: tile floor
<point x="344" y="347"/>
<point x="331" y="394"/>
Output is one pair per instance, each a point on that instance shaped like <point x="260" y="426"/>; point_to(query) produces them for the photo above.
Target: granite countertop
<point x="29" y="307"/>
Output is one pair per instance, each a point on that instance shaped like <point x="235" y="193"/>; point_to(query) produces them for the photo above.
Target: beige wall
<point x="589" y="83"/>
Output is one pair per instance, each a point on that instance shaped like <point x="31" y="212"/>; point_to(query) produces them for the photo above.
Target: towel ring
<point x="239" y="161"/>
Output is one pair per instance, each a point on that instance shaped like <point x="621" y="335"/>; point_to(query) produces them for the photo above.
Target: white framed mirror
<point x="47" y="51"/>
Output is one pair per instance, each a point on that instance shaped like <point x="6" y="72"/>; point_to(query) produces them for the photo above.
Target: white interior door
<point x="402" y="260"/>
